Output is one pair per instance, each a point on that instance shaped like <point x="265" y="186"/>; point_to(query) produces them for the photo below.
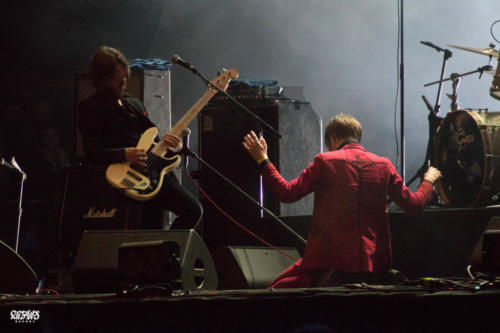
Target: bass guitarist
<point x="111" y="123"/>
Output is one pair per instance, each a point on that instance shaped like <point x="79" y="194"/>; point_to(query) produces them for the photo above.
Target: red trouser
<point x="296" y="276"/>
<point x="293" y="277"/>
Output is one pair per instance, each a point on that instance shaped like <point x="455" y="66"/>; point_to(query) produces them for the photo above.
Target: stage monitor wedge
<point x="96" y="264"/>
<point x="17" y="276"/>
<point x="251" y="267"/>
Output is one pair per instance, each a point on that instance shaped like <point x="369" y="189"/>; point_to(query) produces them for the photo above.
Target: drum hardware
<point x="455" y="78"/>
<point x="495" y="85"/>
<point x="456" y="163"/>
<point x="491" y="53"/>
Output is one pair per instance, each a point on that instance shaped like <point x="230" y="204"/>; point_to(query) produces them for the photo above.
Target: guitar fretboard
<point x="161" y="148"/>
<point x="221" y="82"/>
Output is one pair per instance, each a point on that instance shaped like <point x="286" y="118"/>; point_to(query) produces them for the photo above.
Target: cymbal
<point x="487" y="52"/>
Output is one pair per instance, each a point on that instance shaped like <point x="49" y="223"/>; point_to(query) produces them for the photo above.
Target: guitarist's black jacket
<point x="108" y="128"/>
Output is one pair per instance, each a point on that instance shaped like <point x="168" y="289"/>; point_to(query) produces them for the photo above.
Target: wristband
<point x="259" y="162"/>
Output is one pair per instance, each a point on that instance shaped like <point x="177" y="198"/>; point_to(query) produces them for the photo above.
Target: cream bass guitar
<point x="144" y="183"/>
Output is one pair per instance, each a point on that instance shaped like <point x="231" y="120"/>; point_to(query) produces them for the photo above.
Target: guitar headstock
<point x="222" y="81"/>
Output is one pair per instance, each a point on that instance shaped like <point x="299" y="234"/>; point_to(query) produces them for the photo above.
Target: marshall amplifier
<point x="89" y="203"/>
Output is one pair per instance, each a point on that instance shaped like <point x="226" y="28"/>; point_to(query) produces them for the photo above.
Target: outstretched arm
<point x="285" y="191"/>
<point x="412" y="202"/>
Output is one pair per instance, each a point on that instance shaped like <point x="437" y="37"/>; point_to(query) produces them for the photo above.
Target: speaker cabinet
<point x="152" y="87"/>
<point x="247" y="267"/>
<point x="89" y="203"/>
<point x="96" y="264"/>
<point x="17" y="276"/>
<point x="222" y="128"/>
<point x="491" y="252"/>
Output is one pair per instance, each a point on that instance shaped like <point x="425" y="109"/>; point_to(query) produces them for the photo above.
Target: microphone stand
<point x="402" y="90"/>
<point x="434" y="119"/>
<point x="187" y="152"/>
<point x="15" y="167"/>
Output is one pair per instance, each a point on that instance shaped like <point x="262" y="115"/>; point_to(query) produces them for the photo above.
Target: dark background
<point x="342" y="53"/>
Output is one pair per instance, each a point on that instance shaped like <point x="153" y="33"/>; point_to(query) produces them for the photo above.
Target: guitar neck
<point x="161" y="148"/>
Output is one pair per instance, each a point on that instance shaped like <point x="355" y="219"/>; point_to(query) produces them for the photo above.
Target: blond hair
<point x="343" y="126"/>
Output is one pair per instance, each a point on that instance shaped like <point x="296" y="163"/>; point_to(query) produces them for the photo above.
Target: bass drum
<point x="466" y="149"/>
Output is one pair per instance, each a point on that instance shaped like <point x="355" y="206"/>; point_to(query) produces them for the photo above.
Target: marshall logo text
<point x="94" y="213"/>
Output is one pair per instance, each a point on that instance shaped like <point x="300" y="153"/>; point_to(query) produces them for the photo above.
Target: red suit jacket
<point x="350" y="226"/>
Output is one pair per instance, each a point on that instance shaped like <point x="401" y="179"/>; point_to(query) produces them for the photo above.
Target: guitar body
<point x="142" y="183"/>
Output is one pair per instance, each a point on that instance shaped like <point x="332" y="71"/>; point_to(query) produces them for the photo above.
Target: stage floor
<point x="438" y="306"/>
<point x="436" y="243"/>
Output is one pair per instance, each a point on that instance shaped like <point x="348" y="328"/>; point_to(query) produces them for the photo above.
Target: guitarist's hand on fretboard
<point x="145" y="184"/>
<point x="136" y="156"/>
<point x="173" y="142"/>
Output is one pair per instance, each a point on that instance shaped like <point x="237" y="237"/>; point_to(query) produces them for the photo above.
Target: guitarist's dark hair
<point x="103" y="61"/>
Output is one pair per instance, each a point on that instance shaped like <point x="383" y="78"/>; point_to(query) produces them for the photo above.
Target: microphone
<point x="7" y="165"/>
<point x="16" y="166"/>
<point x="12" y="166"/>
<point x="437" y="48"/>
<point x="179" y="61"/>
<point x="185" y="133"/>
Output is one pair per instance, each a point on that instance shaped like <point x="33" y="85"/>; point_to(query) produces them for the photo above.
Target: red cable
<point x="235" y="221"/>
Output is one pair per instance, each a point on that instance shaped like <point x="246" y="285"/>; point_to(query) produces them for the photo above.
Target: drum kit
<point x="465" y="145"/>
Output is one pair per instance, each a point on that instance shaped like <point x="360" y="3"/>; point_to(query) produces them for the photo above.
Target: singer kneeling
<point x="349" y="239"/>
